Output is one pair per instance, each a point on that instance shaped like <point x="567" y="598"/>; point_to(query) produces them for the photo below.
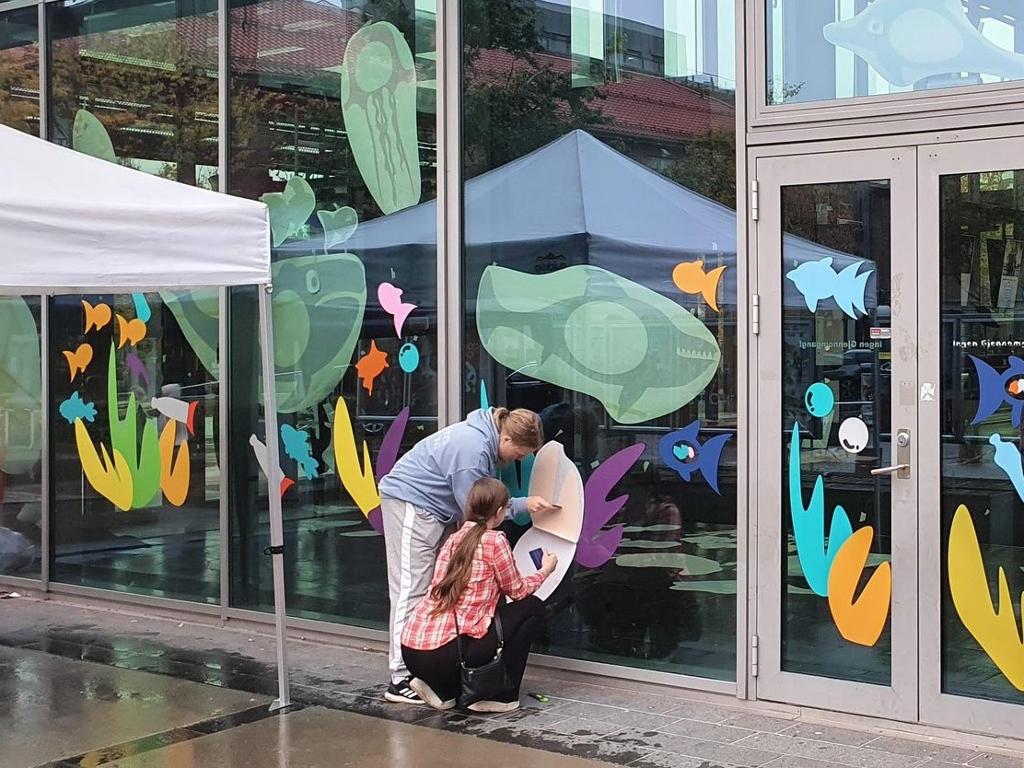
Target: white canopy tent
<point x="71" y="223"/>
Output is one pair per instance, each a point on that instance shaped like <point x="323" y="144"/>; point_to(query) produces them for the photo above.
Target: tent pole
<point x="273" y="490"/>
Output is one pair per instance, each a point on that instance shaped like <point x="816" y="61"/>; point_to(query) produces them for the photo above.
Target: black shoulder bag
<point x="489" y="682"/>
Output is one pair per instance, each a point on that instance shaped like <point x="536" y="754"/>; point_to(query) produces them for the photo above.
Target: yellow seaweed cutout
<point x="859" y="620"/>
<point x="174" y="474"/>
<point x="356" y="478"/>
<point x="111" y="479"/>
<point x="996" y="630"/>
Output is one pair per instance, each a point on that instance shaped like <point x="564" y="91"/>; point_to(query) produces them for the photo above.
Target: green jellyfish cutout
<point x="89" y="137"/>
<point x="378" y="104"/>
<point x="589" y="330"/>
<point x="20" y="386"/>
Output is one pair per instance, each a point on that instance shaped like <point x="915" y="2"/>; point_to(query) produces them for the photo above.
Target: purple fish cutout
<point x="596" y="547"/>
<point x="137" y="367"/>
<point x="386" y="458"/>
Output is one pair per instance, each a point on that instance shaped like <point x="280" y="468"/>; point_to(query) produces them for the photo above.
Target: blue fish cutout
<point x="683" y="452"/>
<point x="73" y="408"/>
<point x="1008" y="459"/>
<point x="907" y="41"/>
<point x="995" y="389"/>
<point x="296" y="446"/>
<point x="142" y="310"/>
<point x="817" y="281"/>
<point x="809" y="524"/>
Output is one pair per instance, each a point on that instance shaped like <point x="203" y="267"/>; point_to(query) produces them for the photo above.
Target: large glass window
<point x="982" y="391"/>
<point x="19" y="69"/>
<point x="818" y="51"/>
<point x="21" y="437"/>
<point x="333" y="125"/>
<point x="600" y="291"/>
<point x="136" y="83"/>
<point x="133" y="415"/>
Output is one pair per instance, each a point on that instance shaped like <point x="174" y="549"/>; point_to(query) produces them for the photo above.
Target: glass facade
<point x="19" y="69"/>
<point x="598" y="278"/>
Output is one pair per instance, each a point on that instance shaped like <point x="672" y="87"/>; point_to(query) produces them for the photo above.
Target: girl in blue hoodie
<point x="422" y="501"/>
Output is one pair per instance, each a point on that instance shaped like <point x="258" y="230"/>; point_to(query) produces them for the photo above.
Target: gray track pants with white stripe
<point x="412" y="540"/>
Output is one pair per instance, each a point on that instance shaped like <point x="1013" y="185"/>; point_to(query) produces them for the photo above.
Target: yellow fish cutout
<point x="78" y="360"/>
<point x="860" y="620"/>
<point x="690" y="277"/>
<point x="996" y="630"/>
<point x="174" y="474"/>
<point x="130" y="331"/>
<point x="111" y="479"/>
<point x="95" y="317"/>
<point x="357" y="479"/>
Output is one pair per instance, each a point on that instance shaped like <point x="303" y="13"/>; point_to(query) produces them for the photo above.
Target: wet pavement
<point x="110" y="712"/>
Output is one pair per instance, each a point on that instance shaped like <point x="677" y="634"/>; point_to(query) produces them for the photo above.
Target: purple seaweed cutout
<point x="386" y="458"/>
<point x="137" y="367"/>
<point x="596" y="547"/>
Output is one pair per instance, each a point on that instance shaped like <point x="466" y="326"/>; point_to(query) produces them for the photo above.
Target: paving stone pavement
<point x="607" y="721"/>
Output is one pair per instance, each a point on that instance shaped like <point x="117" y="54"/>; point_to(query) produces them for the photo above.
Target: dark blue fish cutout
<point x="73" y="408"/>
<point x="995" y="389"/>
<point x="684" y="453"/>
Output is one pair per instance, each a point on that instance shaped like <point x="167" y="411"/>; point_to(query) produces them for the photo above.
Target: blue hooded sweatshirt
<point x="438" y="472"/>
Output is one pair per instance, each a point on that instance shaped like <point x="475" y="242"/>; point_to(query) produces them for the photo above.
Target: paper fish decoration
<point x="74" y="408"/>
<point x="296" y="446"/>
<point x="131" y="331"/>
<point x="995" y="389"/>
<point x="907" y="41"/>
<point x="259" y="449"/>
<point x="79" y="360"/>
<point x="683" y="452"/>
<point x="690" y="277"/>
<point x="1008" y="459"/>
<point x="390" y="299"/>
<point x="177" y="410"/>
<point x="95" y="317"/>
<point x="371" y="365"/>
<point x="817" y="281"/>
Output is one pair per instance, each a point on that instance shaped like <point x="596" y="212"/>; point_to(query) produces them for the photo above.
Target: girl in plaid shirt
<point x="473" y="571"/>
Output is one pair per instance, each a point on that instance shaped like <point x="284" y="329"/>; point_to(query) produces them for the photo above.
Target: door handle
<point x="902" y="466"/>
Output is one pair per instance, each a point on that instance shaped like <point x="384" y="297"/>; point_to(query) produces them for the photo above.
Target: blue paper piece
<point x="142" y="310"/>
<point x="409" y="358"/>
<point x="809" y="525"/>
<point x="995" y="389"/>
<point x="819" y="399"/>
<point x="817" y="281"/>
<point x="685" y="454"/>
<point x="296" y="446"/>
<point x="484" y="402"/>
<point x="1008" y="459"/>
<point x="907" y="41"/>
<point x="537" y="555"/>
<point x="73" y="408"/>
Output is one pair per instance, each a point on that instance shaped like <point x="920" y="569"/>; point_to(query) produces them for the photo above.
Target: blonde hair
<point x="522" y="426"/>
<point x="487" y="495"/>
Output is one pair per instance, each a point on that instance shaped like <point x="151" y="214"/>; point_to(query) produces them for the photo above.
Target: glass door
<point x="971" y="232"/>
<point x="836" y="470"/>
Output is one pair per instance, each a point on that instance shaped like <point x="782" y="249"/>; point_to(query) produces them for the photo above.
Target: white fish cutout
<point x="259" y="448"/>
<point x="907" y="41"/>
<point x="555" y="478"/>
<point x="177" y="410"/>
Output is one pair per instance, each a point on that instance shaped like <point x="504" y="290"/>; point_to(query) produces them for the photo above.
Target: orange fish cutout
<point x="859" y="620"/>
<point x="174" y="473"/>
<point x="371" y="365"/>
<point x="131" y="331"/>
<point x="79" y="360"/>
<point x="95" y="317"/>
<point x="690" y="277"/>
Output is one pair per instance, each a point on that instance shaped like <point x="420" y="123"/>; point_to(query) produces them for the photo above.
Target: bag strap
<point x="497" y="629"/>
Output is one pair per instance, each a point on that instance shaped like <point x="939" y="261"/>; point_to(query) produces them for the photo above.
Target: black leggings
<point x="521" y="623"/>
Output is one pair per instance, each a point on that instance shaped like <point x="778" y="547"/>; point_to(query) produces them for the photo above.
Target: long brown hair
<point x="522" y="425"/>
<point x="485" y="497"/>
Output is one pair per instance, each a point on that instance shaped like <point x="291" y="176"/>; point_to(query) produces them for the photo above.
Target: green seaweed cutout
<point x="90" y="137"/>
<point x="124" y="438"/>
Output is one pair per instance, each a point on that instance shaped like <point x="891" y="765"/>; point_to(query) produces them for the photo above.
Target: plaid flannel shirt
<point x="493" y="574"/>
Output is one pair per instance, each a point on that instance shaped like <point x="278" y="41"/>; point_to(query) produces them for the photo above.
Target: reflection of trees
<point x="19" y="84"/>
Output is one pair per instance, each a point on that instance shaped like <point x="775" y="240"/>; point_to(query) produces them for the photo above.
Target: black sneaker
<point x="401" y="693"/>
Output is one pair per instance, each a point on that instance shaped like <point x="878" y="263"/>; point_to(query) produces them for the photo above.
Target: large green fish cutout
<point x="20" y="383"/>
<point x="589" y="330"/>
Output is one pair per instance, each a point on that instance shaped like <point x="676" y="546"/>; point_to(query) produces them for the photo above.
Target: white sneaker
<point x="427" y="694"/>
<point x="494" y="706"/>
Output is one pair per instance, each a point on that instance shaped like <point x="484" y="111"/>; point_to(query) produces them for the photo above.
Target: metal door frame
<point x="899" y="700"/>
